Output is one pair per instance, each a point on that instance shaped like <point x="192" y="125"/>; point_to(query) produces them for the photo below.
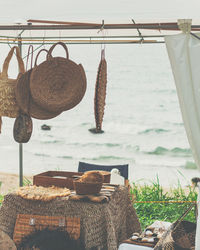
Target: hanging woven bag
<point x="58" y="83"/>
<point x="8" y="104"/>
<point x="24" y="98"/>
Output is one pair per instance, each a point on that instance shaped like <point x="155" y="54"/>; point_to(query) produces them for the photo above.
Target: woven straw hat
<point x="25" y="100"/>
<point x="58" y="84"/>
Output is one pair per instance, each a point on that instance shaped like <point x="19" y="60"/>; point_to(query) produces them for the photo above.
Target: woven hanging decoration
<point x="100" y="94"/>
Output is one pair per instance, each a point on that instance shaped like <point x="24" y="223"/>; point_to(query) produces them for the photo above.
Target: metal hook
<point x="102" y="27"/>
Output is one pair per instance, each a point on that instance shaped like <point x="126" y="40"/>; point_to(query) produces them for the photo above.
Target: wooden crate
<point x="56" y="178"/>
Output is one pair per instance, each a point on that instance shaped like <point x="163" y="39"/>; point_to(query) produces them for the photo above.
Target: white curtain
<point x="184" y="54"/>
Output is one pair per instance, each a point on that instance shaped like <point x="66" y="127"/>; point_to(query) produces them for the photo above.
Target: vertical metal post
<point x="20" y="144"/>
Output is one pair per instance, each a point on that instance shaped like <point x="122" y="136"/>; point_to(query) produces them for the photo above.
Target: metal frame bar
<point x="155" y="26"/>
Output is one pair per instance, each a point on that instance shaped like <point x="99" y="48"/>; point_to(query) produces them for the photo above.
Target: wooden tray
<point x="56" y="178"/>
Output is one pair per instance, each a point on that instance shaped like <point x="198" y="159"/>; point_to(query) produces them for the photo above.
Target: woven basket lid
<point x="25" y="100"/>
<point x="58" y="84"/>
<point x="6" y="242"/>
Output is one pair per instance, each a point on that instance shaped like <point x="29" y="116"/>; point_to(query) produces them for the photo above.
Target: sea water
<point x="142" y="123"/>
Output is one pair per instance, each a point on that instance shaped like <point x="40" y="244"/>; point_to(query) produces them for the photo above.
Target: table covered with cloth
<point x="103" y="225"/>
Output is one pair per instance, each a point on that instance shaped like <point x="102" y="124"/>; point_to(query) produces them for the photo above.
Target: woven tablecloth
<point x="102" y="225"/>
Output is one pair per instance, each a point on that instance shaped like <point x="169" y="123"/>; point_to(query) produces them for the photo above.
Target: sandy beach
<point x="10" y="182"/>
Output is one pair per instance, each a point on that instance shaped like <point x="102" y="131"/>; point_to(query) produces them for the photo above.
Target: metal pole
<point x="20" y="144"/>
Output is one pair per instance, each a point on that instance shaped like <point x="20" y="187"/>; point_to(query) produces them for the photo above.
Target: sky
<point x="82" y="10"/>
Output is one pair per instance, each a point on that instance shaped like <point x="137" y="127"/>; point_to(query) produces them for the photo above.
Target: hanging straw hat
<point x="24" y="98"/>
<point x="58" y="84"/>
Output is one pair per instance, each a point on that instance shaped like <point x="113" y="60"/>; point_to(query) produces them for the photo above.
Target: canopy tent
<point x="134" y="32"/>
<point x="42" y="32"/>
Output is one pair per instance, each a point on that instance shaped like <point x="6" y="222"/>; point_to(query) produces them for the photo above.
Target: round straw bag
<point x="24" y="98"/>
<point x="8" y="104"/>
<point x="58" y="84"/>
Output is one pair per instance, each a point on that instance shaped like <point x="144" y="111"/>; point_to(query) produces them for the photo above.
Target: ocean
<point x="142" y="123"/>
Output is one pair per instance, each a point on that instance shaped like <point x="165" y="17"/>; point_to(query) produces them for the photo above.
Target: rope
<point x="165" y="202"/>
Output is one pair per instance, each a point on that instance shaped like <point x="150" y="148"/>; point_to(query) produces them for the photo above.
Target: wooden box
<point x="56" y="178"/>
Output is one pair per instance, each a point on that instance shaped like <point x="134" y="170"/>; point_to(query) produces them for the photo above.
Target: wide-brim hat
<point x="57" y="84"/>
<point x="26" y="102"/>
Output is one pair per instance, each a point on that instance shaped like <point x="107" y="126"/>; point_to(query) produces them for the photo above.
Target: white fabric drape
<point x="184" y="55"/>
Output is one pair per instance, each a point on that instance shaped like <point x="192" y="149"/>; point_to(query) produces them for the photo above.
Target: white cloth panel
<point x="184" y="55"/>
<point x="126" y="246"/>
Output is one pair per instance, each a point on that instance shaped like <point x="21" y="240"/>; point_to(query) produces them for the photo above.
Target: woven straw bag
<point x="24" y="98"/>
<point x="23" y="128"/>
<point x="58" y="84"/>
<point x="8" y="104"/>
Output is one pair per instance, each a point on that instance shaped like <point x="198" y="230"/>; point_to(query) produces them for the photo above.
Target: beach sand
<point x="10" y="182"/>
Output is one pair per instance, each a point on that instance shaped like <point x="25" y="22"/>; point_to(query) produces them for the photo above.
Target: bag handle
<point x="39" y="54"/>
<point x="49" y="55"/>
<point x="7" y="62"/>
<point x="183" y="216"/>
<point x="30" y="52"/>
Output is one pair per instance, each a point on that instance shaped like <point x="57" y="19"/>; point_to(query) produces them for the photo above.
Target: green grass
<point x="27" y="182"/>
<point x="149" y="212"/>
<point x="1" y="196"/>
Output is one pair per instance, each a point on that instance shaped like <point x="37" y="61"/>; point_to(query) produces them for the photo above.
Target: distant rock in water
<point x="96" y="131"/>
<point x="45" y="127"/>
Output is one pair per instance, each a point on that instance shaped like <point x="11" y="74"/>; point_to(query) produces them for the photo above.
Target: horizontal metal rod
<point x="76" y="40"/>
<point x="59" y="22"/>
<point x="81" y="37"/>
<point x="172" y="26"/>
<point x="89" y="42"/>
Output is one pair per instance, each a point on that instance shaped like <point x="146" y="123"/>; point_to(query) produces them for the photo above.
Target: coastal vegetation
<point x="153" y="202"/>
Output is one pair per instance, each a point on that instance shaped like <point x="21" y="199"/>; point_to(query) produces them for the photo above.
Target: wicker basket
<point x="87" y="188"/>
<point x="27" y="224"/>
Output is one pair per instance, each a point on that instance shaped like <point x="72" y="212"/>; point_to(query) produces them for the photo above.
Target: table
<point x="103" y="226"/>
